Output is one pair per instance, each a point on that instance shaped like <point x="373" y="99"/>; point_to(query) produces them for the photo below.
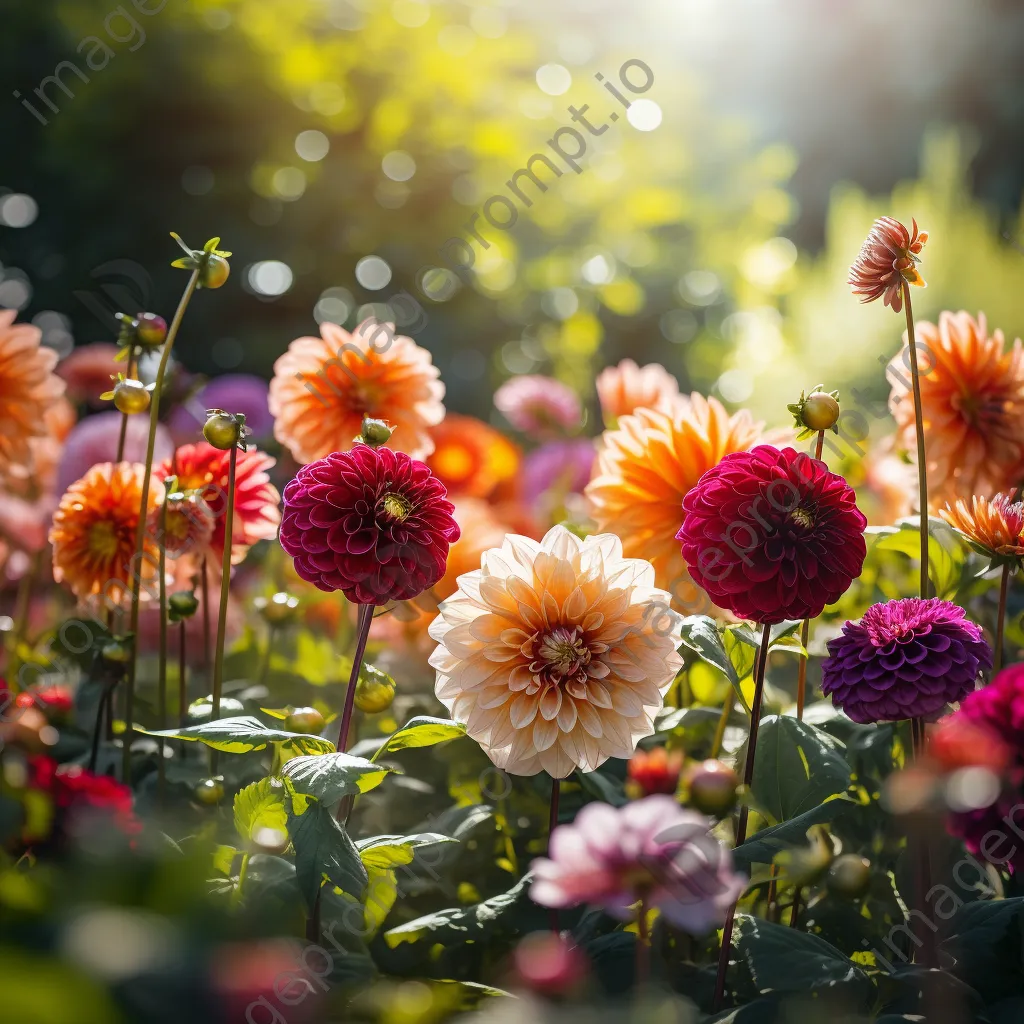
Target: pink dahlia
<point x="888" y="257"/>
<point x="370" y="522"/>
<point x="651" y="850"/>
<point x="538" y="406"/>
<point x="772" y="534"/>
<point x="997" y="711"/>
<point x="905" y="659"/>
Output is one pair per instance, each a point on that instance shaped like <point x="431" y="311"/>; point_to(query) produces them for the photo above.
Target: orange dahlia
<point x="471" y="458"/>
<point x="323" y="387"/>
<point x="972" y="401"/>
<point x="993" y="526"/>
<point x="204" y="469"/>
<point x="93" y="532"/>
<point x="189" y="525"/>
<point x="644" y="470"/>
<point x="551" y="656"/>
<point x="888" y="257"/>
<point x="28" y="388"/>
<point x="627" y="387"/>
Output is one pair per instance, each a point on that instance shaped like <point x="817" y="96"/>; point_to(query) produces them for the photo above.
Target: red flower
<point x="772" y="535"/>
<point x="57" y="700"/>
<point x="655" y="771"/>
<point x="888" y="257"/>
<point x="203" y="468"/>
<point x="370" y="522"/>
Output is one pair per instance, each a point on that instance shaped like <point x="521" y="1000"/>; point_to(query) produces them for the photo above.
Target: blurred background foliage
<point x="311" y="134"/>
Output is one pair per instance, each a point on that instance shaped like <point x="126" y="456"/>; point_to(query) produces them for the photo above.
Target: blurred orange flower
<point x="646" y="467"/>
<point x="323" y="387"/>
<point x="470" y="457"/>
<point x="992" y="524"/>
<point x="972" y="400"/>
<point x="28" y="389"/>
<point x="93" y="532"/>
<point x="204" y="469"/>
<point x="627" y="387"/>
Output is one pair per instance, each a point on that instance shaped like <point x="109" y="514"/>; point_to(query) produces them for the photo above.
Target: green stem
<point x="225" y="589"/>
<point x="643" y="948"/>
<point x="556" y="790"/>
<point x="741" y="828"/>
<point x="162" y="672"/>
<point x="723" y="722"/>
<point x="805" y="629"/>
<point x="140" y="534"/>
<point x="243" y="869"/>
<point x="129" y="370"/>
<point x="922" y="463"/>
<point x="207" y="646"/>
<point x="1004" y="586"/>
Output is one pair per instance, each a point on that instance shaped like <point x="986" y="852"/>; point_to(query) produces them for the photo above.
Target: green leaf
<point x="987" y="944"/>
<point x="946" y="555"/>
<point x="240" y="735"/>
<point x="260" y="806"/>
<point x="603" y="786"/>
<point x="392" y="851"/>
<point x="324" y="849"/>
<point x="422" y="731"/>
<point x="329" y="777"/>
<point x="784" y="959"/>
<point x="762" y="847"/>
<point x="701" y="634"/>
<point x="796" y="768"/>
<point x="461" y="924"/>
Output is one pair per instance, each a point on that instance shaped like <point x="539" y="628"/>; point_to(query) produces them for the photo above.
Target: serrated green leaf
<point x="422" y="731"/>
<point x="393" y="851"/>
<point x="334" y="775"/>
<point x="797" y="767"/>
<point x="323" y="848"/>
<point x="243" y="734"/>
<point x="260" y="806"/>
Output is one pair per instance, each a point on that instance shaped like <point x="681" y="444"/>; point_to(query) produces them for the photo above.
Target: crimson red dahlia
<point x="772" y="534"/>
<point x="907" y="658"/>
<point x="370" y="522"/>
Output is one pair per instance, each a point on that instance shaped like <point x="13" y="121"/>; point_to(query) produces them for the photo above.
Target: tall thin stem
<point x="123" y="436"/>
<point x="922" y="463"/>
<point x="1004" y="586"/>
<point x="556" y="790"/>
<point x="225" y="591"/>
<point x="723" y="723"/>
<point x="207" y="647"/>
<point x="182" y="681"/>
<point x="140" y="534"/>
<point x="643" y="948"/>
<point x="162" y="671"/>
<point x="362" y="634"/>
<point x="805" y="629"/>
<point x="741" y="827"/>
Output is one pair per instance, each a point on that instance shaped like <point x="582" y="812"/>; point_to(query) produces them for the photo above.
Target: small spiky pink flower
<point x="888" y="257"/>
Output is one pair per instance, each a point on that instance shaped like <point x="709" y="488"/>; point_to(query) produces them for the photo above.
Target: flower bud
<point x="116" y="652"/>
<point x="849" y="876"/>
<point x="209" y="792"/>
<point x="549" y="965"/>
<point x="222" y="429"/>
<point x="150" y="330"/>
<point x="375" y="691"/>
<point x="209" y="263"/>
<point x="817" y="411"/>
<point x="654" y="771"/>
<point x="182" y="604"/>
<point x="131" y="396"/>
<point x="712" y="788"/>
<point x="957" y="742"/>
<point x="215" y="272"/>
<point x="375" y="432"/>
<point x="308" y="721"/>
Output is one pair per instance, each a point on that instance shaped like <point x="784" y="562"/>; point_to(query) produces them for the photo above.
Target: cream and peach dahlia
<point x="557" y="653"/>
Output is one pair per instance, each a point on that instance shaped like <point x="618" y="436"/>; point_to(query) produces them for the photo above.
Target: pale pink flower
<point x="651" y="850"/>
<point x="538" y="406"/>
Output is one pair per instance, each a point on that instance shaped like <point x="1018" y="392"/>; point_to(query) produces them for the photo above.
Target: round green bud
<point x="222" y="430"/>
<point x="150" y="330"/>
<point x="131" y="396"/>
<point x="209" y="792"/>
<point x="308" y="721"/>
<point x="214" y="271"/>
<point x="183" y="604"/>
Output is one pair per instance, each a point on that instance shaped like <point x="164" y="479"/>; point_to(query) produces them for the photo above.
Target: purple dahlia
<point x="370" y="522"/>
<point x="905" y="659"/>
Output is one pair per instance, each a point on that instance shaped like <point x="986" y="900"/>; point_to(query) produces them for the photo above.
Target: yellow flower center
<point x="802" y="518"/>
<point x="396" y="505"/>
<point x="564" y="650"/>
<point x="103" y="539"/>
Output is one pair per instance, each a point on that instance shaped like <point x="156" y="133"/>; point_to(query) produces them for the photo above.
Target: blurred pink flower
<point x="236" y="392"/>
<point x="95" y="440"/>
<point x="538" y="406"/>
<point x="87" y="371"/>
<point x="651" y="850"/>
<point x="558" y="468"/>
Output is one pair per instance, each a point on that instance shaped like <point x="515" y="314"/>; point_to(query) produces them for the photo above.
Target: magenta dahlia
<point x="772" y="534"/>
<point x="905" y="659"/>
<point x="370" y="522"/>
<point x="997" y="710"/>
